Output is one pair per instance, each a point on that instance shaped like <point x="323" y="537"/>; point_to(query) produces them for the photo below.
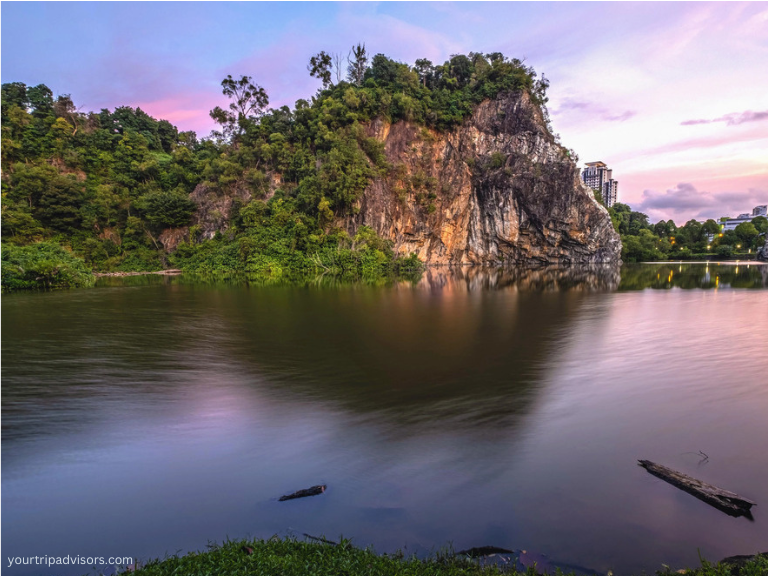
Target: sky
<point x="672" y="96"/>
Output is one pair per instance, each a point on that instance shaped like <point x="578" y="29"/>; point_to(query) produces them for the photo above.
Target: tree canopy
<point x="106" y="185"/>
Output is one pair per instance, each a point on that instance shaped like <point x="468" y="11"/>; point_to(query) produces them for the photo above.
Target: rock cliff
<point x="496" y="190"/>
<point x="762" y="253"/>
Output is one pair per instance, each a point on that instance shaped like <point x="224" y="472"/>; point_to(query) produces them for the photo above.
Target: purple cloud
<point x="684" y="201"/>
<point x="594" y="110"/>
<point x="732" y="119"/>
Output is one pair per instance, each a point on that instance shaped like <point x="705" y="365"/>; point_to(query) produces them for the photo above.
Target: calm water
<point x="149" y="416"/>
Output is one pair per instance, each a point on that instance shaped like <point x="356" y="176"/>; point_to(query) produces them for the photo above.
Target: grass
<point x="289" y="557"/>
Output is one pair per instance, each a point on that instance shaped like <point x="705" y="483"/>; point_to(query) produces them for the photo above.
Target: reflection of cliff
<point x="441" y="352"/>
<point x="551" y="279"/>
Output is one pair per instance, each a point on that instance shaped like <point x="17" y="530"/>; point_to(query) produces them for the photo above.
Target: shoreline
<point x="169" y="272"/>
<point x="326" y="558"/>
<point x="179" y="272"/>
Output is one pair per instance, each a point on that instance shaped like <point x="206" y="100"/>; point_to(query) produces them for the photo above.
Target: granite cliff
<point x="762" y="253"/>
<point x="497" y="190"/>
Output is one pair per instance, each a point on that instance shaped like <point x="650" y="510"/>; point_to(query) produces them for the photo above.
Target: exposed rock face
<point x="762" y="253"/>
<point x="496" y="190"/>
<point x="170" y="238"/>
<point x="214" y="208"/>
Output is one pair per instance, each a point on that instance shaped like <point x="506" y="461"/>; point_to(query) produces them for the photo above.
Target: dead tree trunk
<point x="725" y="501"/>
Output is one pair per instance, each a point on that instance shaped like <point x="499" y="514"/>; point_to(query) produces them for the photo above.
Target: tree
<point x="168" y="135"/>
<point x="320" y="67"/>
<point x="761" y="224"/>
<point x="461" y="69"/>
<point x="65" y="108"/>
<point x="384" y="70"/>
<point x="357" y="64"/>
<point x="424" y="69"/>
<point x="746" y="232"/>
<point x="14" y="94"/>
<point x="338" y="66"/>
<point x="711" y="227"/>
<point x="40" y="99"/>
<point x="249" y="102"/>
<point x="167" y="208"/>
<point x="693" y="230"/>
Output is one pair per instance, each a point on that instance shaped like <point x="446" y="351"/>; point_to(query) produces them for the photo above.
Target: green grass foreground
<point x="288" y="557"/>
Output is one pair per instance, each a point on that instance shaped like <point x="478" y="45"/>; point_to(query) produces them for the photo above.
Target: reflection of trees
<point x="689" y="276"/>
<point x="453" y="349"/>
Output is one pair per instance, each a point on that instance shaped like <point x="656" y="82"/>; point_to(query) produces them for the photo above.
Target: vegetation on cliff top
<point x="105" y="185"/>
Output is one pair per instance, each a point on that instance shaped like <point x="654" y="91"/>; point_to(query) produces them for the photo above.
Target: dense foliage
<point x="646" y="242"/>
<point x="42" y="265"/>
<point x="106" y="185"/>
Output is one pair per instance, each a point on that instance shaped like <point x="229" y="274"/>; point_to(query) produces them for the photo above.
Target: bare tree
<point x="338" y="67"/>
<point x="357" y="61"/>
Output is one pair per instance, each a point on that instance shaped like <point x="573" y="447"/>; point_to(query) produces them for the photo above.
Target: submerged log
<point x="737" y="563"/>
<point x="725" y="501"/>
<point x="320" y="539"/>
<point x="481" y="551"/>
<point x="314" y="491"/>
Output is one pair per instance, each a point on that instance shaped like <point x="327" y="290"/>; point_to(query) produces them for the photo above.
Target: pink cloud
<point x="684" y="202"/>
<point x="590" y="111"/>
<point x="714" y="141"/>
<point x="186" y="111"/>
<point x="732" y="119"/>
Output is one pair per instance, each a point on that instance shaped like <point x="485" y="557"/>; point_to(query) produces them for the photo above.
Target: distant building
<point x="597" y="175"/>
<point x="746" y="217"/>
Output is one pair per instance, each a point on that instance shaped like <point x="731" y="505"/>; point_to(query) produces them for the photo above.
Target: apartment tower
<point x="598" y="176"/>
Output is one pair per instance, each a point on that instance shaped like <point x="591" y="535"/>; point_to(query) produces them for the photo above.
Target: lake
<point x="149" y="416"/>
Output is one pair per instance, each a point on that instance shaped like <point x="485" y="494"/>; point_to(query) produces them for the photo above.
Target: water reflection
<point x="707" y="276"/>
<point x="552" y="279"/>
<point x="609" y="277"/>
<point x="446" y="351"/>
<point x="476" y="406"/>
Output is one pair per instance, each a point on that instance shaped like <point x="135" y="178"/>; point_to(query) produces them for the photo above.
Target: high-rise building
<point x="598" y="176"/>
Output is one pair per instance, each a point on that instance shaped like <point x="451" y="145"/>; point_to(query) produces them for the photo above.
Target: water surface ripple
<point x="149" y="416"/>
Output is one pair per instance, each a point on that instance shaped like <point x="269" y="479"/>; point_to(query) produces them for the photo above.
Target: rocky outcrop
<point x="214" y="207"/>
<point x="170" y="238"/>
<point x="762" y="253"/>
<point x="498" y="190"/>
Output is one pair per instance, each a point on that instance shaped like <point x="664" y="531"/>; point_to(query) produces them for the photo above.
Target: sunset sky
<point x="673" y="96"/>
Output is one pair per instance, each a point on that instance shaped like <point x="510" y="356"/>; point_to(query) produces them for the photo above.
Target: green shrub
<point x="44" y="265"/>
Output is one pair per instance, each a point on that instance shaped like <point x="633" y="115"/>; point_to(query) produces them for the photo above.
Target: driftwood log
<point x="484" y="551"/>
<point x="320" y="539"/>
<point x="725" y="501"/>
<point x="314" y="491"/>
